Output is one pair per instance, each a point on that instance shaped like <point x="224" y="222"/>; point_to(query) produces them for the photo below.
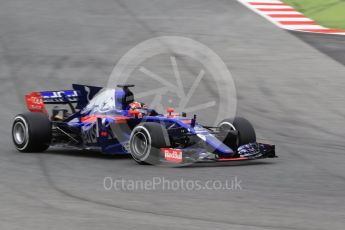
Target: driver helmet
<point x="138" y="106"/>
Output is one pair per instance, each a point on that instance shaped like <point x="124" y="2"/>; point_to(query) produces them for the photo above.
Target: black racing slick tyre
<point x="31" y="132"/>
<point x="146" y="140"/>
<point x="246" y="133"/>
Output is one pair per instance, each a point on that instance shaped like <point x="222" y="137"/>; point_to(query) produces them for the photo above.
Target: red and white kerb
<point x="287" y="17"/>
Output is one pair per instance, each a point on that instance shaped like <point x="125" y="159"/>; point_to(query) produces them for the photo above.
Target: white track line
<point x="287" y="17"/>
<point x="303" y="27"/>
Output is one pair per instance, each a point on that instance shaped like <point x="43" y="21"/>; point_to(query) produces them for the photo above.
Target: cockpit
<point x="119" y="101"/>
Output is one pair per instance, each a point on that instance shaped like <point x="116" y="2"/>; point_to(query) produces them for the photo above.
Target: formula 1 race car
<point x="111" y="121"/>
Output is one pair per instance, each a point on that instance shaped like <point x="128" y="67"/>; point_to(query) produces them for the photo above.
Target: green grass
<point x="328" y="13"/>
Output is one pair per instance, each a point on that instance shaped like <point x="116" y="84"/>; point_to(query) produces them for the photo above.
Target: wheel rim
<point x="19" y="133"/>
<point x="140" y="144"/>
<point x="229" y="126"/>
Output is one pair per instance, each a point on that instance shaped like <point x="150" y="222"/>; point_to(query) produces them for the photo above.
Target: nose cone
<point x="224" y="150"/>
<point x="217" y="145"/>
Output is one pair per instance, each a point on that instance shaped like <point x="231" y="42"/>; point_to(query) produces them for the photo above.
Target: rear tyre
<point x="145" y="142"/>
<point x="31" y="132"/>
<point x="246" y="132"/>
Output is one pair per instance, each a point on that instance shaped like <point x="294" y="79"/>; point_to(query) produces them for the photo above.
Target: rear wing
<point x="60" y="97"/>
<point x="81" y="94"/>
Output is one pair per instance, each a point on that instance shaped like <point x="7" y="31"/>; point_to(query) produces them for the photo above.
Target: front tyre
<point x="246" y="133"/>
<point x="145" y="142"/>
<point x="31" y="132"/>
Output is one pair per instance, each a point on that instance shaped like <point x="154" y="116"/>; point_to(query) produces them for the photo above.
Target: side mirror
<point x="170" y="110"/>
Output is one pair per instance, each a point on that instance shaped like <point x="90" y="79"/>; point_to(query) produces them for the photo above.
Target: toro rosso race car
<point x="111" y="121"/>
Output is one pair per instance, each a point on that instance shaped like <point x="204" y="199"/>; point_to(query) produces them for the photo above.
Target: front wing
<point x="247" y="152"/>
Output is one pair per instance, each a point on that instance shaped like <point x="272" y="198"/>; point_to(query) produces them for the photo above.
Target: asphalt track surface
<point x="293" y="94"/>
<point x="332" y="45"/>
